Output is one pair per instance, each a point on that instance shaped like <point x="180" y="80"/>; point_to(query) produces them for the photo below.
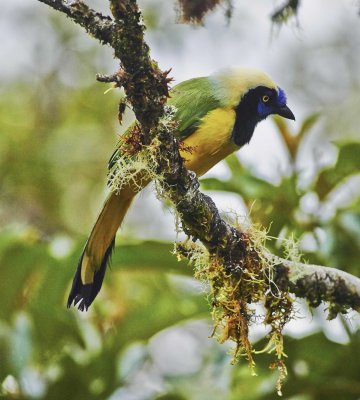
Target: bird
<point x="216" y="116"/>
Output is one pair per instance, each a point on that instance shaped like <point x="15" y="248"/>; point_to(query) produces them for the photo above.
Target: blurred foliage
<point x="193" y="11"/>
<point x="145" y="337"/>
<point x="282" y="14"/>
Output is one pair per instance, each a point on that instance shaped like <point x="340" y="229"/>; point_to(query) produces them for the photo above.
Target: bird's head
<point x="253" y="96"/>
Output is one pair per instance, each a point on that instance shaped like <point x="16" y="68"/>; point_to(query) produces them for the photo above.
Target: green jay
<point x="217" y="115"/>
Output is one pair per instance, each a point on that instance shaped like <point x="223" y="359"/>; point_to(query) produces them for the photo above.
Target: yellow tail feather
<point x="98" y="248"/>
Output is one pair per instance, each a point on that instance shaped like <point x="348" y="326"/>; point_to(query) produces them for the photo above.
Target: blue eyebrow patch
<point x="281" y="98"/>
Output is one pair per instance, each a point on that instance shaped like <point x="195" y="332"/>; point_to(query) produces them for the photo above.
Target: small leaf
<point x="347" y="164"/>
<point x="307" y="124"/>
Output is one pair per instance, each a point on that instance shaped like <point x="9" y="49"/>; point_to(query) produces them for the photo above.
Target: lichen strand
<point x="135" y="164"/>
<point x="234" y="294"/>
<point x="132" y="165"/>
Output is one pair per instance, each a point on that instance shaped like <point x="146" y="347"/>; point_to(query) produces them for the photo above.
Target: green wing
<point x="193" y="100"/>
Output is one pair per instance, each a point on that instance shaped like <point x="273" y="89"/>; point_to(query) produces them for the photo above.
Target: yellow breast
<point x="211" y="142"/>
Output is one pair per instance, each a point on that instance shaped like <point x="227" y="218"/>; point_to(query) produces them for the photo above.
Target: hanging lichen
<point x="233" y="296"/>
<point x="134" y="164"/>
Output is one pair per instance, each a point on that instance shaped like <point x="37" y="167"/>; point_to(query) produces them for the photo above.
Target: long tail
<point x="98" y="248"/>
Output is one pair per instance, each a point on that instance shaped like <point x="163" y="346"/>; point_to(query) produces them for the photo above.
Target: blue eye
<point x="265" y="98"/>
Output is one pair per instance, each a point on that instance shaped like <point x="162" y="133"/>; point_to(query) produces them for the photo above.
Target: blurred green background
<point x="146" y="336"/>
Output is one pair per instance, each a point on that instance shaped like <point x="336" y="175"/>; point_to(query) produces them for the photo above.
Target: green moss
<point x="233" y="296"/>
<point x="135" y="164"/>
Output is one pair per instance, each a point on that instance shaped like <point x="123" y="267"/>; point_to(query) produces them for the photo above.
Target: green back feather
<point x="193" y="99"/>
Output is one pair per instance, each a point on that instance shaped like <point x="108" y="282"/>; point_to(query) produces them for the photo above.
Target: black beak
<point x="285" y="112"/>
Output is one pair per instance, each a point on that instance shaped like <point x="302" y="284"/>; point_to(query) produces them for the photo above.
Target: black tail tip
<point x="82" y="295"/>
<point x="78" y="302"/>
<point x="82" y="299"/>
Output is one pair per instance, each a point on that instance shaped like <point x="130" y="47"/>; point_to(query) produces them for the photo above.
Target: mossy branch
<point x="96" y="24"/>
<point x="317" y="284"/>
<point x="147" y="89"/>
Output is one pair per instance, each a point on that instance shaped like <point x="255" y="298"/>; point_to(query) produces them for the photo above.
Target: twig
<point x="317" y="283"/>
<point x="96" y="24"/>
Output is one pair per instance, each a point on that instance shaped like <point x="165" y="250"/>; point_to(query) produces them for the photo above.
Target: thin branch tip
<point x="114" y="78"/>
<point x="317" y="284"/>
<point x="95" y="23"/>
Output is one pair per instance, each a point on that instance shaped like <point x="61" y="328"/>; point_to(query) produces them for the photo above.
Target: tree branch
<point x="146" y="87"/>
<point x="317" y="283"/>
<point x="96" y="24"/>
